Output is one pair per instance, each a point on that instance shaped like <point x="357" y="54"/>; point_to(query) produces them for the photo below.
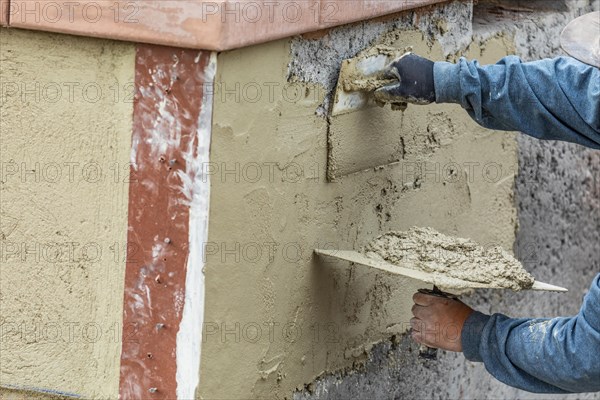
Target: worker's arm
<point x="540" y="355"/>
<point x="549" y="99"/>
<point x="558" y="355"/>
<point x="556" y="99"/>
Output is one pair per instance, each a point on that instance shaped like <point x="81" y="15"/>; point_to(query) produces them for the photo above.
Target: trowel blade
<point x="541" y="286"/>
<point x="404" y="270"/>
<point x="348" y="100"/>
<point x="358" y="258"/>
<point x="354" y="111"/>
<point x="581" y="39"/>
<point x="355" y="83"/>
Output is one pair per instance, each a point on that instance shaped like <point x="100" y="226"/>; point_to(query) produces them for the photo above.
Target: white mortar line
<point x="196" y="187"/>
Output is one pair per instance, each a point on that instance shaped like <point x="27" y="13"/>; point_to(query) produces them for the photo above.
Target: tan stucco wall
<point x="8" y="394"/>
<point x="274" y="205"/>
<point x="61" y="316"/>
<point x="271" y="205"/>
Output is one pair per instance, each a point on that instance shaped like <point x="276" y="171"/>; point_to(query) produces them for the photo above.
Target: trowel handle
<point x="425" y="352"/>
<point x="438" y="293"/>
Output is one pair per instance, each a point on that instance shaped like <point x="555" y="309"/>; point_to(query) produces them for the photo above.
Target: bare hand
<point x="438" y="321"/>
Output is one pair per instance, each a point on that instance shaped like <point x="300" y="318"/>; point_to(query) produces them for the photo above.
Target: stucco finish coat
<point x="275" y="317"/>
<point x="8" y="394"/>
<point x="65" y="208"/>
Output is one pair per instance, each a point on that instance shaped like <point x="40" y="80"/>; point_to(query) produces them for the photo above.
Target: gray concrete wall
<point x="557" y="194"/>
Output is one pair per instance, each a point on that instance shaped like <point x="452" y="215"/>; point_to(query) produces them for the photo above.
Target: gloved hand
<point x="438" y="322"/>
<point x="415" y="81"/>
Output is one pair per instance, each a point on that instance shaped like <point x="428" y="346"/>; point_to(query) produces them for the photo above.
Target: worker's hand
<point x="415" y="81"/>
<point x="438" y="321"/>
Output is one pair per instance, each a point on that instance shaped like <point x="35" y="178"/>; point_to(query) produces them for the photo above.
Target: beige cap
<point x="581" y="39"/>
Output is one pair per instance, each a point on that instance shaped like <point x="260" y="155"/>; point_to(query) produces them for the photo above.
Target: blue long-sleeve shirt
<point x="553" y="99"/>
<point x="560" y="355"/>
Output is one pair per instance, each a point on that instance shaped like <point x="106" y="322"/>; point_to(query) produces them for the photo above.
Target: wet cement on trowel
<point x="451" y="258"/>
<point x="352" y="80"/>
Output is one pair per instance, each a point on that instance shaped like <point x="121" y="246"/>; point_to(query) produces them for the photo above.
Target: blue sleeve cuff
<point x="471" y="335"/>
<point x="589" y="310"/>
<point x="446" y="77"/>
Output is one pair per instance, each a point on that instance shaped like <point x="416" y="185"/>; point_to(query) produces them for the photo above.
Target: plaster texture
<point x="276" y="317"/>
<point x="556" y="192"/>
<point x="65" y="140"/>
<point x="9" y="394"/>
<point x="394" y="133"/>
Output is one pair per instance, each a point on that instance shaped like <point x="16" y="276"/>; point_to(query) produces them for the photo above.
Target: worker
<point x="556" y="99"/>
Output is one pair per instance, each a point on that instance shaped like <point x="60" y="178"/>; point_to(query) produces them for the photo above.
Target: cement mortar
<point x="353" y="79"/>
<point x="415" y="133"/>
<point x="450" y="258"/>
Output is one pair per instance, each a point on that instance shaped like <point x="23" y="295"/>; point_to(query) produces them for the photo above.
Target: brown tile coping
<point x="4" y="12"/>
<point x="209" y="25"/>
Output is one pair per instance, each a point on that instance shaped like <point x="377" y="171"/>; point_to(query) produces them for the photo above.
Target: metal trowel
<point x="427" y="277"/>
<point x="425" y="352"/>
<point x="361" y="76"/>
<point x="353" y="111"/>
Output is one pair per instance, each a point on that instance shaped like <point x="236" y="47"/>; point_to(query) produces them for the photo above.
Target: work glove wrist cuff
<point x="446" y="77"/>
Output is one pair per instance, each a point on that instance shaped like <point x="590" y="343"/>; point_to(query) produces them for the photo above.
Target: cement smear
<point x="356" y="74"/>
<point x="450" y="258"/>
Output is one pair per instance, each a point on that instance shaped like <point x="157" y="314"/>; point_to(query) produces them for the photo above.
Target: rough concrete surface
<point x="65" y="124"/>
<point x="557" y="194"/>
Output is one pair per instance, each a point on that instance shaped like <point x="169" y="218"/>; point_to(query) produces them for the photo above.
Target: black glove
<point x="415" y="81"/>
